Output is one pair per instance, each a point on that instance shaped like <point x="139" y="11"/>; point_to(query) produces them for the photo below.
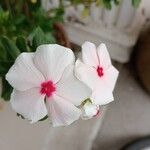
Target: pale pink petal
<point x="110" y="77"/>
<point x="102" y="96"/>
<point x="52" y="59"/>
<point x="71" y="88"/>
<point x="61" y="111"/>
<point x="23" y="74"/>
<point x="86" y="74"/>
<point x="30" y="104"/>
<point x="89" y="54"/>
<point x="104" y="58"/>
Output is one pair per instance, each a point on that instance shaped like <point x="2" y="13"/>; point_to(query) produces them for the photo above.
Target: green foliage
<point x="12" y="26"/>
<point x="3" y="54"/>
<point x="40" y="38"/>
<point x="4" y="15"/>
<point x="136" y="3"/>
<point x="42" y="19"/>
<point x="10" y="47"/>
<point x="108" y="3"/>
<point x="4" y="67"/>
<point x="22" y="44"/>
<point x="104" y="3"/>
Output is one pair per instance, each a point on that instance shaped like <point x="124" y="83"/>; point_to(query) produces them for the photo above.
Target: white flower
<point x="44" y="84"/>
<point x="89" y="110"/>
<point x="97" y="72"/>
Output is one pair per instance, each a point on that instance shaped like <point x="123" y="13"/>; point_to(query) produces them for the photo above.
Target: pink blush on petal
<point x="100" y="71"/>
<point x="47" y="88"/>
<point x="98" y="112"/>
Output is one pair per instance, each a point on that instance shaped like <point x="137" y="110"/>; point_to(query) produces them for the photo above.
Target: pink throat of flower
<point x="100" y="71"/>
<point x="48" y="88"/>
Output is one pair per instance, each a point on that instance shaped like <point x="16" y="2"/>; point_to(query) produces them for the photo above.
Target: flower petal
<point x="103" y="93"/>
<point x="86" y="74"/>
<point x="89" y="54"/>
<point x="104" y="57"/>
<point x="71" y="88"/>
<point x="62" y="112"/>
<point x="110" y="77"/>
<point x="52" y="59"/>
<point x="30" y="104"/>
<point x="23" y="74"/>
<point x="102" y="96"/>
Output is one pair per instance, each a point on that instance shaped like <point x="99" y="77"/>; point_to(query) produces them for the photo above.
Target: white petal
<point x="104" y="57"/>
<point x="71" y="88"/>
<point x="110" y="77"/>
<point x="30" y="104"/>
<point x="52" y="59"/>
<point x="23" y="74"/>
<point x="102" y="96"/>
<point x="86" y="74"/>
<point x="62" y="112"/>
<point x="89" y="54"/>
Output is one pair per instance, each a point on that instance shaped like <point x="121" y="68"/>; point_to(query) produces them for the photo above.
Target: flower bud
<point x="89" y="110"/>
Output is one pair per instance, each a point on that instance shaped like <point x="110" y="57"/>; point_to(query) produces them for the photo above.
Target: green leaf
<point x="4" y="15"/>
<point x="19" y="19"/>
<point x="10" y="47"/>
<point x="3" y="54"/>
<point x="6" y="90"/>
<point x="50" y="38"/>
<point x="21" y="44"/>
<point x="40" y="38"/>
<point x="107" y="4"/>
<point x="117" y="2"/>
<point x="136" y="3"/>
<point x="4" y="66"/>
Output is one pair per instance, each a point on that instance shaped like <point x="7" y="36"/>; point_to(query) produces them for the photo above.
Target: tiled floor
<point x="127" y="118"/>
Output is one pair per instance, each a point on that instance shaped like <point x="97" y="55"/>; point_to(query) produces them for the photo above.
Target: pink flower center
<point x="47" y="88"/>
<point x="100" y="71"/>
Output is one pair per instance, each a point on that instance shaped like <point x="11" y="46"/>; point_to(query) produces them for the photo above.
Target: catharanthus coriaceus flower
<point x="44" y="84"/>
<point x="96" y="71"/>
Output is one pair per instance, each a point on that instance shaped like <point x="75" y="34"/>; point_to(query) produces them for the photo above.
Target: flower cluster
<point x="50" y="82"/>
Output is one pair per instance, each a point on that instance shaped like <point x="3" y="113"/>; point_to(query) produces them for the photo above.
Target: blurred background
<point x="124" y="25"/>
